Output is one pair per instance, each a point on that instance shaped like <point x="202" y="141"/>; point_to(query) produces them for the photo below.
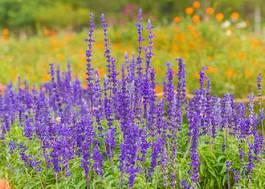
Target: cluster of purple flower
<point x="122" y="121"/>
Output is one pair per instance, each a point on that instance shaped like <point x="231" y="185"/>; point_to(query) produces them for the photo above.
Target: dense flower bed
<point x="117" y="133"/>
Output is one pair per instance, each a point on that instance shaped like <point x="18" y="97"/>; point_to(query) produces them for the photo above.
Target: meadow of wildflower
<point x="114" y="131"/>
<point x="203" y="37"/>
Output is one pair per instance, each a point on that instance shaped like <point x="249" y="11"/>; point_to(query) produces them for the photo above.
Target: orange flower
<point x="189" y="10"/>
<point x="190" y="28"/>
<point x="4" y="184"/>
<point x="158" y="89"/>
<point x="210" y="58"/>
<point x="210" y="10"/>
<point x="61" y="57"/>
<point x="46" y="78"/>
<point x="242" y="55"/>
<point x="212" y="69"/>
<point x="2" y="90"/>
<point x="99" y="46"/>
<point x="235" y="16"/>
<point x="196" y="75"/>
<point x="248" y="73"/>
<point x="177" y="19"/>
<point x="219" y="17"/>
<point x="196" y="19"/>
<point x="101" y="72"/>
<point x="230" y="73"/>
<point x="48" y="33"/>
<point x="255" y="43"/>
<point x="5" y="33"/>
<point x="196" y="4"/>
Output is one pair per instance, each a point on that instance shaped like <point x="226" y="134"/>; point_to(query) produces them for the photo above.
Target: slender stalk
<point x="87" y="181"/>
<point x="121" y="179"/>
<point x="56" y="180"/>
<point x="228" y="180"/>
<point x="249" y="183"/>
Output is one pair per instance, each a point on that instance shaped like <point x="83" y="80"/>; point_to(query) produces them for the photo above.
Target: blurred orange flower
<point x="196" y="75"/>
<point x="48" y="33"/>
<point x="255" y="43"/>
<point x="5" y="33"/>
<point x="190" y="28"/>
<point x="189" y="10"/>
<point x="230" y="73"/>
<point x="248" y="73"/>
<point x="235" y="16"/>
<point x="242" y="55"/>
<point x="61" y="57"/>
<point x="46" y="78"/>
<point x="177" y="19"/>
<point x="212" y="69"/>
<point x="210" y="58"/>
<point x="219" y="17"/>
<point x="210" y="10"/>
<point x="196" y="19"/>
<point x="158" y="89"/>
<point x="99" y="46"/>
<point x="196" y="4"/>
<point x="101" y="72"/>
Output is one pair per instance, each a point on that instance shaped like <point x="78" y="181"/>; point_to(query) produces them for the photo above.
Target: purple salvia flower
<point x="184" y="184"/>
<point x="28" y="128"/>
<point x="131" y="69"/>
<point x="202" y="77"/>
<point x="98" y="160"/>
<point x="181" y="87"/>
<point x="87" y="138"/>
<point x="252" y="116"/>
<point x="259" y="85"/>
<point x="140" y="40"/>
<point x="52" y="73"/>
<point x="107" y="106"/>
<point x="110" y="142"/>
<point x="236" y="176"/>
<point x="227" y="111"/>
<point x="194" y="134"/>
<point x="90" y="40"/>
<point x="12" y="146"/>
<point x="258" y="145"/>
<point x="29" y="160"/>
<point x="152" y="104"/>
<point x="228" y="169"/>
<point x="250" y="165"/>
<point x="107" y="52"/>
<point x="164" y="162"/>
<point x="156" y="150"/>
<point x="261" y="108"/>
<point x="169" y="97"/>
<point x="149" y="49"/>
<point x="144" y="144"/>
<point x="97" y="104"/>
<point x="216" y="118"/>
<point x="128" y="154"/>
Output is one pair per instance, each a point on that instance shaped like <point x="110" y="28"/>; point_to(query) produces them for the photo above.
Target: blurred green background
<point x="30" y="15"/>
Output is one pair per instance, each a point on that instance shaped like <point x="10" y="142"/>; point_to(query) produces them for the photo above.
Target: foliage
<point x="29" y="15"/>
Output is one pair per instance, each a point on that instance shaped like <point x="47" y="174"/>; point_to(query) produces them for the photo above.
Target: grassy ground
<point x="234" y="57"/>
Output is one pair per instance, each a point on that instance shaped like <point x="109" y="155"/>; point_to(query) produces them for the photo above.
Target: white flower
<point x="241" y="25"/>
<point x="226" y="24"/>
